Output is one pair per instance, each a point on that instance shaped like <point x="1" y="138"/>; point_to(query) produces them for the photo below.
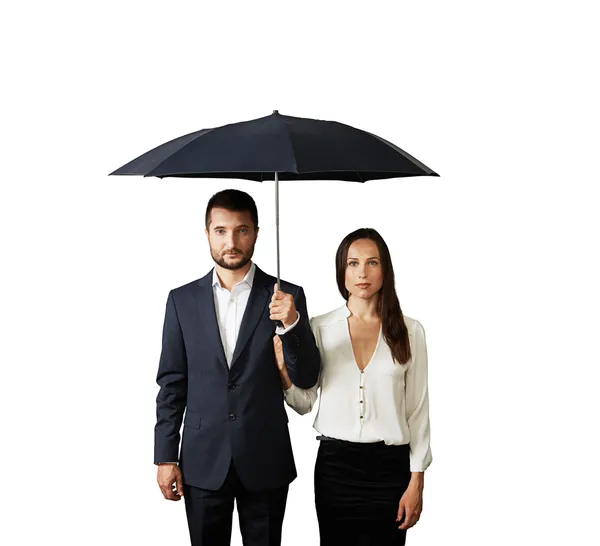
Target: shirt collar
<point x="248" y="279"/>
<point x="337" y="315"/>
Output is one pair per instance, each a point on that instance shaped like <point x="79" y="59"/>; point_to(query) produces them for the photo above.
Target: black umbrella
<point x="278" y="148"/>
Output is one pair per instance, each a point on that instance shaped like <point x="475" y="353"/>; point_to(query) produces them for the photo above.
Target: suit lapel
<point x="208" y="315"/>
<point x="259" y="297"/>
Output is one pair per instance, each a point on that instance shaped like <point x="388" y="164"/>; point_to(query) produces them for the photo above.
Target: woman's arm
<point x="417" y="415"/>
<point x="300" y="400"/>
<point x="417" y="404"/>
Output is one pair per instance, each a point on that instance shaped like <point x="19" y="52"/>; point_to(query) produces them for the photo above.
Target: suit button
<point x="231" y="417"/>
<point x="231" y="386"/>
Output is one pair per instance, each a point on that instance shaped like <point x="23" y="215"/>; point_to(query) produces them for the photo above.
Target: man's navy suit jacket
<point x="235" y="412"/>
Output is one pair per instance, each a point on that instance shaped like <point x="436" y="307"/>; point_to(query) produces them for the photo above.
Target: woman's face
<point x="364" y="274"/>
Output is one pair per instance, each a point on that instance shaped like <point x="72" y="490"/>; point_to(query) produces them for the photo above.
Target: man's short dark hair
<point x="233" y="200"/>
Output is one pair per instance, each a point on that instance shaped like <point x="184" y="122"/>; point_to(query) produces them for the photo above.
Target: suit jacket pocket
<point x="192" y="419"/>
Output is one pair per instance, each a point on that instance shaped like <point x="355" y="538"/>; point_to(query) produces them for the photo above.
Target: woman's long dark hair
<point x="394" y="328"/>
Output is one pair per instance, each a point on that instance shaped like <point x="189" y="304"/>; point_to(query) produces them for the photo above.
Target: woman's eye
<point x="352" y="263"/>
<point x="373" y="262"/>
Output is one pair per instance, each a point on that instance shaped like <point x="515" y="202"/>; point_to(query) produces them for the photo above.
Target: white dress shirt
<point x="230" y="307"/>
<point x="384" y="402"/>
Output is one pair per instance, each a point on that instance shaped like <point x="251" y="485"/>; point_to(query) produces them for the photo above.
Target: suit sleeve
<point x="300" y="350"/>
<point x="172" y="395"/>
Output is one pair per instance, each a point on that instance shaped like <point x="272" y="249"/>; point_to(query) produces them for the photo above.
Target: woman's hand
<point x="285" y="378"/>
<point x="410" y="507"/>
<point x="278" y="346"/>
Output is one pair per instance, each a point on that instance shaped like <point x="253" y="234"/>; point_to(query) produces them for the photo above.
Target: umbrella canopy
<point x="295" y="148"/>
<point x="278" y="147"/>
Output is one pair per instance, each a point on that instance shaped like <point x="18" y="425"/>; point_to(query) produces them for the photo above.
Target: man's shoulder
<point x="260" y="276"/>
<point x="192" y="285"/>
<point x="286" y="286"/>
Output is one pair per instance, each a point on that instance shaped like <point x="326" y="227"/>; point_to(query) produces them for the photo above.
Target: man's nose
<point x="230" y="239"/>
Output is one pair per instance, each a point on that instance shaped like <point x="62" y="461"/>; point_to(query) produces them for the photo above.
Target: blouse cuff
<point x="290" y="391"/>
<point x="420" y="464"/>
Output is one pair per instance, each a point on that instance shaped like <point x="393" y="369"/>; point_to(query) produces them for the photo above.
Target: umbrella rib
<point x="360" y="178"/>
<point x="179" y="150"/>
<point x="404" y="153"/>
<point x="287" y="130"/>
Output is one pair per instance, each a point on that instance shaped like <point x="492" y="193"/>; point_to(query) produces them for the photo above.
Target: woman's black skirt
<point x="357" y="491"/>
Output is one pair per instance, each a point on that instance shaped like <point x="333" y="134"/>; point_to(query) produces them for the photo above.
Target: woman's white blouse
<point x="386" y="401"/>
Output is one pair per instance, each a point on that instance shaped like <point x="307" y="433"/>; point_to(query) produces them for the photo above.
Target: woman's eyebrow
<point x="371" y="258"/>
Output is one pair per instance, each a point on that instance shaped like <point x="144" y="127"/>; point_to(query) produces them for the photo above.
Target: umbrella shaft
<point x="277" y="224"/>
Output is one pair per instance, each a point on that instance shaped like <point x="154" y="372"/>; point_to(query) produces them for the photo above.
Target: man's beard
<point x="220" y="260"/>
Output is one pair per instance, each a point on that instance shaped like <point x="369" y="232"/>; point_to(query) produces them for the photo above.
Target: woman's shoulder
<point x="413" y="326"/>
<point x="336" y="315"/>
<point x="342" y="313"/>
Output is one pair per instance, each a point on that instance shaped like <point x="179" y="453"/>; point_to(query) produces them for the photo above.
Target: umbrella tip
<point x="276" y="112"/>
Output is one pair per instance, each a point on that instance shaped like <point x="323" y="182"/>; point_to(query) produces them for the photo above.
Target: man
<point x="218" y="364"/>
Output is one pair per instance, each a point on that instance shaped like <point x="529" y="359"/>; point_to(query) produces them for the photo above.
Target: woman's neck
<point x="364" y="309"/>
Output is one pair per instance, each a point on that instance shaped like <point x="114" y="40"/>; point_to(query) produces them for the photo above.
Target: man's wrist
<point x="288" y="325"/>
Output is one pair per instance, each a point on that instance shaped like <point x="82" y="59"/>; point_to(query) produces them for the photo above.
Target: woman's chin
<point x="363" y="293"/>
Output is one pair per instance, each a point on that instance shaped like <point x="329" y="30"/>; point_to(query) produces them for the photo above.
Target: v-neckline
<point x="379" y="335"/>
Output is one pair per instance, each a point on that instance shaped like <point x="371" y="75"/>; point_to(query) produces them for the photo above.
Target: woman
<point x="374" y="410"/>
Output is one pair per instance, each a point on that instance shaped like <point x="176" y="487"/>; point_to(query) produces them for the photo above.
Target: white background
<point x="498" y="258"/>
